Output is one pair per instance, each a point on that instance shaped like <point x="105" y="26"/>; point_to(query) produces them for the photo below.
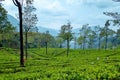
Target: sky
<point x="55" y="13"/>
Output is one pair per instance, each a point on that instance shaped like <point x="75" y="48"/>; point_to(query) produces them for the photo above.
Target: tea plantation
<point x="56" y="65"/>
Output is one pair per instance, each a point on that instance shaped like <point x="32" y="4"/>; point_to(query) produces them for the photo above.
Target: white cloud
<point x="8" y="2"/>
<point x="54" y="13"/>
<point x="10" y="7"/>
<point x="70" y="1"/>
<point x="49" y="5"/>
<point x="73" y="2"/>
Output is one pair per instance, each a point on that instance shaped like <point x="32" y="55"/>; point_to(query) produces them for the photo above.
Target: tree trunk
<point x="21" y="36"/>
<point x="26" y="45"/>
<point x="99" y="43"/>
<point x="46" y="47"/>
<point x="106" y="42"/>
<point x="106" y="39"/>
<point x="84" y="43"/>
<point x="2" y="41"/>
<point x="68" y="46"/>
<point x="75" y="43"/>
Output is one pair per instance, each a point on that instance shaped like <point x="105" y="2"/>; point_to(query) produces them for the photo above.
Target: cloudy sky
<point x="54" y="13"/>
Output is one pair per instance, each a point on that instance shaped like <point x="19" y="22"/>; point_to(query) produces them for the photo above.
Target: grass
<point x="79" y="65"/>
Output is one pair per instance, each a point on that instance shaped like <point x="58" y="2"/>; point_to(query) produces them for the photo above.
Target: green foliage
<point x="65" y="32"/>
<point x="29" y="17"/>
<point x="80" y="65"/>
<point x="5" y="27"/>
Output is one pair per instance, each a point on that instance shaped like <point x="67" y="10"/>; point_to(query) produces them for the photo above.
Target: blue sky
<point x="54" y="13"/>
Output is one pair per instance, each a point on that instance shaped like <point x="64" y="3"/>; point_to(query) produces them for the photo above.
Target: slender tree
<point x="29" y="20"/>
<point x="98" y="34"/>
<point x="46" y="41"/>
<point x="84" y="31"/>
<point x="91" y="36"/>
<point x="107" y="24"/>
<point x="18" y="4"/>
<point x="66" y="34"/>
<point x="112" y="35"/>
<point x="80" y="41"/>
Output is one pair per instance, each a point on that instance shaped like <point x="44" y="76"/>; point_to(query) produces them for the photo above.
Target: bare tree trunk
<point x="21" y="35"/>
<point x="68" y="46"/>
<point x="46" y="47"/>
<point x="26" y="45"/>
<point x="106" y="41"/>
<point x="84" y="43"/>
<point x="75" y="43"/>
<point x="99" y="43"/>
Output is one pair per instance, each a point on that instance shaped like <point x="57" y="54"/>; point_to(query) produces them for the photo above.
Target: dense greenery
<point x="5" y="27"/>
<point x="46" y="55"/>
<point x="80" y="65"/>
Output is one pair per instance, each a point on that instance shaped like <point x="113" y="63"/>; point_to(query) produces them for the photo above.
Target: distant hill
<point x="51" y="31"/>
<point x="42" y="29"/>
<point x="13" y="21"/>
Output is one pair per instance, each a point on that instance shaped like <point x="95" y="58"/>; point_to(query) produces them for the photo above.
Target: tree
<point x="46" y="40"/>
<point x="5" y="25"/>
<point x="59" y="41"/>
<point x="106" y="32"/>
<point x="80" y="41"/>
<point x="46" y="37"/>
<point x="107" y="24"/>
<point x="18" y="4"/>
<point x="66" y="34"/>
<point x="112" y="35"/>
<point x="116" y="20"/>
<point x="116" y="0"/>
<point x="84" y="33"/>
<point x="117" y="37"/>
<point x="29" y="20"/>
<point x="91" y="36"/>
<point x="116" y="17"/>
<point x="98" y="35"/>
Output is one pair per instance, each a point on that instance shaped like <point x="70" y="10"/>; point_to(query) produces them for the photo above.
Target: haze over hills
<point x="42" y="29"/>
<point x="15" y="23"/>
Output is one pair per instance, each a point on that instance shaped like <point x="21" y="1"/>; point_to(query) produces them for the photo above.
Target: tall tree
<point x="29" y="20"/>
<point x="116" y="0"/>
<point x="46" y="40"/>
<point x="116" y="21"/>
<point x="112" y="35"/>
<point x="80" y="41"/>
<point x="84" y="33"/>
<point x="116" y="17"/>
<point x="107" y="24"/>
<point x="105" y="32"/>
<point x="91" y="37"/>
<point x="66" y="34"/>
<point x="98" y="35"/>
<point x="19" y="5"/>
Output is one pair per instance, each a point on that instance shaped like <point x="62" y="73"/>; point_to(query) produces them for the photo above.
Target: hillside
<point x="51" y="31"/>
<point x="79" y="65"/>
<point x="13" y="21"/>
